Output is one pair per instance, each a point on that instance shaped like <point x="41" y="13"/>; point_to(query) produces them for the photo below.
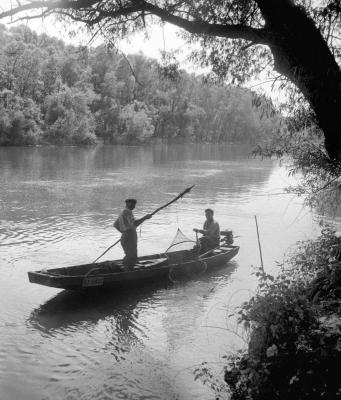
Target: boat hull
<point x="150" y="270"/>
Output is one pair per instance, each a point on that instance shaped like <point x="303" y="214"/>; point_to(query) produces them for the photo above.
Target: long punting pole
<point x="174" y="200"/>
<point x="153" y="213"/>
<point x="259" y="246"/>
<point x="107" y="250"/>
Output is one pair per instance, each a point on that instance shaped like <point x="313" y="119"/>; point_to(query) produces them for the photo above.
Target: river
<point x="57" y="206"/>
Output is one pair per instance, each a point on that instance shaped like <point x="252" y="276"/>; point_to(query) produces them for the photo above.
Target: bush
<point x="295" y="346"/>
<point x="68" y="118"/>
<point x="135" y="124"/>
<point x="20" y="122"/>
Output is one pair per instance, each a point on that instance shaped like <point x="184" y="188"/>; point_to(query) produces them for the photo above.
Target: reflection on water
<point x="129" y="328"/>
<point x="56" y="209"/>
<point x="69" y="308"/>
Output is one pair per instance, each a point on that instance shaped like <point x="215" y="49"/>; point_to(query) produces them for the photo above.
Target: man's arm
<point x="138" y="222"/>
<point x="213" y="230"/>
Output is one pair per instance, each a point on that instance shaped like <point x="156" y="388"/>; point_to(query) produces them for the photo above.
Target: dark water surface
<point x="56" y="209"/>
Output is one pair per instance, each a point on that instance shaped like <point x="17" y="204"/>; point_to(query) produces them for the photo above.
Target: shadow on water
<point x="74" y="309"/>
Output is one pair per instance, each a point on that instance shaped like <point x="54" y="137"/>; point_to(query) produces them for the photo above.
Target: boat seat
<point x="146" y="262"/>
<point x="149" y="263"/>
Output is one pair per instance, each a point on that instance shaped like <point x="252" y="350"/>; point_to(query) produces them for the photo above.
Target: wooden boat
<point x="166" y="267"/>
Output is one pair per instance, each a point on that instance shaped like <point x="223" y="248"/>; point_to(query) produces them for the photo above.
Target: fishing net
<point x="183" y="255"/>
<point x="180" y="243"/>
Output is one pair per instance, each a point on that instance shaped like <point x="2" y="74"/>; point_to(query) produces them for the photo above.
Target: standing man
<point x="127" y="224"/>
<point x="211" y="232"/>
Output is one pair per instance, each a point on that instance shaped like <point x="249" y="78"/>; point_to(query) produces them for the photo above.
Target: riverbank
<point x="98" y="141"/>
<point x="295" y="321"/>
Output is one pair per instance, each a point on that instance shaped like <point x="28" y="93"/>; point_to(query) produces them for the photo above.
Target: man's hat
<point x="131" y="201"/>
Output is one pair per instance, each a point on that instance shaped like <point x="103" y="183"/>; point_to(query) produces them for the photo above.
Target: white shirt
<point x="125" y="221"/>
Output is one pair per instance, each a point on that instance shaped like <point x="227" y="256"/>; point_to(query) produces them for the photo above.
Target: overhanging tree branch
<point x="237" y="31"/>
<point x="48" y="5"/>
<point x="99" y="12"/>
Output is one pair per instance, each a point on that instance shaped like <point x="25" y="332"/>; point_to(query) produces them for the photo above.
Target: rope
<point x="169" y="276"/>
<point x="205" y="267"/>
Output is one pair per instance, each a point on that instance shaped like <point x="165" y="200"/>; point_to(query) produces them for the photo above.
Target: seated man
<point x="211" y="232"/>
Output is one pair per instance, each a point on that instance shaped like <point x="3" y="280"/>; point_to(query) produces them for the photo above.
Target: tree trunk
<point x="303" y="56"/>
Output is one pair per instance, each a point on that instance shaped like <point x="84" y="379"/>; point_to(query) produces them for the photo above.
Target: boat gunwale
<point x="53" y="276"/>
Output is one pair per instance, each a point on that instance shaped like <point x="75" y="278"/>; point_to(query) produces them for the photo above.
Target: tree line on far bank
<point x="53" y="93"/>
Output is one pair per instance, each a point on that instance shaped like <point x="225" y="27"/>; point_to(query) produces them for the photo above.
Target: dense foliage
<point x="295" y="345"/>
<point x="304" y="155"/>
<point x="54" y="93"/>
<point x="298" y="40"/>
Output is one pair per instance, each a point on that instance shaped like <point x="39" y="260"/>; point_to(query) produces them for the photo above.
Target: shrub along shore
<point x="295" y="322"/>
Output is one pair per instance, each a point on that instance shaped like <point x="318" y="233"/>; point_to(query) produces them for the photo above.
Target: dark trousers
<point x="208" y="243"/>
<point x="129" y="245"/>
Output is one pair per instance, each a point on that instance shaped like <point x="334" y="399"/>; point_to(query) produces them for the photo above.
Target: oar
<point x="153" y="213"/>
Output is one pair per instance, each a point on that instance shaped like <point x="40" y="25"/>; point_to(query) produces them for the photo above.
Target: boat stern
<point x="46" y="279"/>
<point x="39" y="278"/>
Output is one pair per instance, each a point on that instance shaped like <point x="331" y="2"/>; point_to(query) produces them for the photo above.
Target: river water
<point x="57" y="206"/>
